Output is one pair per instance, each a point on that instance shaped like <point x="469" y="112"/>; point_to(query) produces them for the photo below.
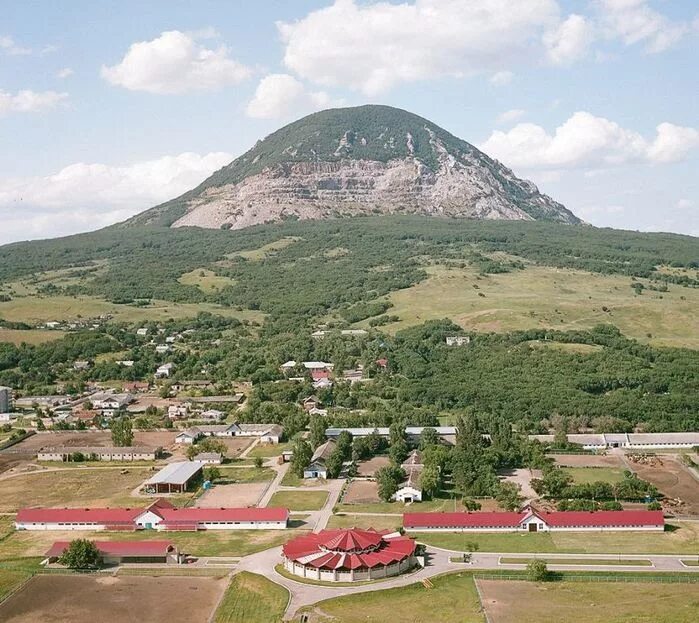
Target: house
<point x="52" y="324"/>
<point x="189" y="436"/>
<point x="164" y="371"/>
<point x="354" y="376"/>
<point x="530" y="520"/>
<point x="458" y="340"/>
<point x="136" y="387"/>
<point x="318" y="373"/>
<point x="109" y="404"/>
<point x="268" y="433"/>
<point x="317" y="467"/>
<point x="288" y="365"/>
<point x="129" y="552"/>
<point x="98" y="453"/>
<point x="323" y="383"/>
<point x="161" y="349"/>
<point x="160" y="515"/>
<point x="174" y="477"/>
<point x="176" y="411"/>
<point x="209" y="458"/>
<point x="142" y="332"/>
<point x="286" y="455"/>
<point x="217" y="430"/>
<point x="317" y="365"/>
<point x="311" y="402"/>
<point x="212" y="414"/>
<point x="410" y="489"/>
<point x="316" y="411"/>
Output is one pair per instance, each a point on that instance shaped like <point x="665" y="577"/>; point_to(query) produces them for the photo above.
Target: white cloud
<point x="66" y="72"/>
<point x="501" y="78"/>
<point x="633" y="21"/>
<point x="282" y="95"/>
<point x="29" y="101"/>
<point x="684" y="204"/>
<point x="587" y="141"/>
<point x="87" y="196"/>
<point x="372" y="47"/>
<point x="570" y="41"/>
<point x="510" y="115"/>
<point x="9" y="47"/>
<point x="175" y="63"/>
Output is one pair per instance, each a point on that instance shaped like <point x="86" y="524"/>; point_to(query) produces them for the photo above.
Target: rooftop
<point x="119" y="548"/>
<point x="175" y="473"/>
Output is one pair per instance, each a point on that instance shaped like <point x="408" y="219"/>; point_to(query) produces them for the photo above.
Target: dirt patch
<point x="31" y="445"/>
<point x="674" y="481"/>
<point x="362" y="492"/>
<point x="588" y="460"/>
<point x="236" y="445"/>
<point x="368" y="468"/>
<point x="120" y="599"/>
<point x="522" y="478"/>
<point x="237" y="495"/>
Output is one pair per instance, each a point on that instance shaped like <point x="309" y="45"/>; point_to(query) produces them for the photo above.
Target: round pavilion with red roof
<point x="349" y="555"/>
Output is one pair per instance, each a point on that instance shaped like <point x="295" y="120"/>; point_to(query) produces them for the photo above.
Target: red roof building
<point x="124" y="551"/>
<point x="531" y="520"/>
<point x="349" y="555"/>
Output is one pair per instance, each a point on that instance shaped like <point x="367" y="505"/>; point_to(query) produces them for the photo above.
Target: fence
<point x="668" y="578"/>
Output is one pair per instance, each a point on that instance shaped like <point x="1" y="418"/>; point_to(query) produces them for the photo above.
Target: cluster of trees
<point x="558" y="484"/>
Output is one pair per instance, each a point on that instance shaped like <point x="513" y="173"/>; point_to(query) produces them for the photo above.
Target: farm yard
<point x="369" y="467"/>
<point x="591" y="602"/>
<point x="251" y="598"/>
<point x="236" y="495"/>
<point x="85" y="599"/>
<point x="673" y="479"/>
<point x="299" y="500"/>
<point x="612" y="461"/>
<point x="89" y="438"/>
<point x="362" y="492"/>
<point x="584" y="475"/>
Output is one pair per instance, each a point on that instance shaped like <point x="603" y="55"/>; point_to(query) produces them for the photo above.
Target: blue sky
<point x="107" y="108"/>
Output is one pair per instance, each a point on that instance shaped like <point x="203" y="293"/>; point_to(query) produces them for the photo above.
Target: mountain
<point x="357" y="161"/>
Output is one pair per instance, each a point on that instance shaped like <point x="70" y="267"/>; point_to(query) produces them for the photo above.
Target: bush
<point x="81" y="554"/>
<point x="537" y="571"/>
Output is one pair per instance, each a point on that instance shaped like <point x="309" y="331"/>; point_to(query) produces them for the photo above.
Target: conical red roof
<point x="351" y="540"/>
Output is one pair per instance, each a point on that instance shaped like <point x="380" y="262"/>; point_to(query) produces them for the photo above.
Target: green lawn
<point x="578" y="561"/>
<point x="678" y="538"/>
<point x="266" y="450"/>
<point x="439" y="505"/>
<point x="299" y="500"/>
<point x="585" y="475"/>
<point x="591" y="602"/>
<point x="252" y="598"/>
<point x="451" y="598"/>
<point x="10" y="579"/>
<point x="245" y="474"/>
<point x="379" y="522"/>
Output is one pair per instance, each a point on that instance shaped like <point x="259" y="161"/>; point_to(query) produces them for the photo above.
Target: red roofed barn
<point x="349" y="555"/>
<point x="117" y="552"/>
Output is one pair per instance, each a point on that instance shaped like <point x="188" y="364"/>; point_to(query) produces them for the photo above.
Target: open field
<point x="584" y="475"/>
<point x="25" y="543"/>
<point x="299" y="500"/>
<point x="85" y="599"/>
<point x="72" y="488"/>
<point x="206" y="280"/>
<point x="682" y="537"/>
<point x="546" y="297"/>
<point x="238" y="495"/>
<point x="368" y="468"/>
<point x="674" y="480"/>
<point x="36" y="309"/>
<point x="588" y="460"/>
<point x="236" y="474"/>
<point x="504" y="560"/>
<point x="29" y="336"/>
<point x="362" y="492"/>
<point x="267" y="450"/>
<point x="583" y="349"/>
<point x="236" y="445"/>
<point x="91" y="438"/>
<point x="398" y="507"/>
<point x="379" y="522"/>
<point x="589" y="602"/>
<point x="252" y="598"/>
<point x="267" y="249"/>
<point x="452" y="598"/>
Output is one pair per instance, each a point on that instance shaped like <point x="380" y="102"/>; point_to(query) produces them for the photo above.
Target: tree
<point x="122" y="432"/>
<point x="334" y="463"/>
<point x="301" y="456"/>
<point x="317" y="434"/>
<point x="430" y="480"/>
<point x="344" y="444"/>
<point x="258" y="462"/>
<point x="389" y="478"/>
<point x="165" y="390"/>
<point x="428" y="437"/>
<point x="537" y="571"/>
<point x="508" y="496"/>
<point x="80" y="554"/>
<point x="213" y="445"/>
<point x="212" y="473"/>
<point x="398" y="451"/>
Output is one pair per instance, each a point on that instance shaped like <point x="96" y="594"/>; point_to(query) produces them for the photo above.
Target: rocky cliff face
<point x="359" y="161"/>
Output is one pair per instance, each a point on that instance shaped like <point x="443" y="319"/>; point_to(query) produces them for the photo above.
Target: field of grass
<point x="245" y="474"/>
<point x="267" y="249"/>
<point x="206" y="280"/>
<point x="379" y="522"/>
<point x="267" y="450"/>
<point x="452" y="598"/>
<point x="681" y="538"/>
<point x="35" y="309"/>
<point x="29" y="336"/>
<point x="72" y="487"/>
<point x="583" y="349"/>
<point x="578" y="561"/>
<point x="252" y="598"/>
<point x="299" y="500"/>
<point x="206" y="543"/>
<point x="10" y="579"/>
<point x="427" y="506"/>
<point x="591" y="602"/>
<point x="584" y="475"/>
<point x="545" y="297"/>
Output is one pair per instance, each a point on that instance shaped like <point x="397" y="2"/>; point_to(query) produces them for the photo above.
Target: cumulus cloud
<point x="372" y="47"/>
<point x="66" y="72"/>
<point x="30" y="101"/>
<point x="570" y="41"/>
<point x="85" y="196"/>
<point x="587" y="141"/>
<point x="175" y="63"/>
<point x="634" y="21"/>
<point x="9" y="47"/>
<point x="282" y="95"/>
<point x="510" y="115"/>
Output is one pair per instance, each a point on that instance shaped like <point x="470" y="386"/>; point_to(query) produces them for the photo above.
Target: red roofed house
<point x="118" y="552"/>
<point x="317" y="374"/>
<point x="161" y="515"/>
<point x="349" y="555"/>
<point x="530" y="520"/>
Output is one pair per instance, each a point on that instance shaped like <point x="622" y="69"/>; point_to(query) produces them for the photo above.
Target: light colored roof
<point x="323" y="451"/>
<point x="97" y="450"/>
<point x="175" y="473"/>
<point x="207" y="456"/>
<point x="383" y="431"/>
<point x="664" y="438"/>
